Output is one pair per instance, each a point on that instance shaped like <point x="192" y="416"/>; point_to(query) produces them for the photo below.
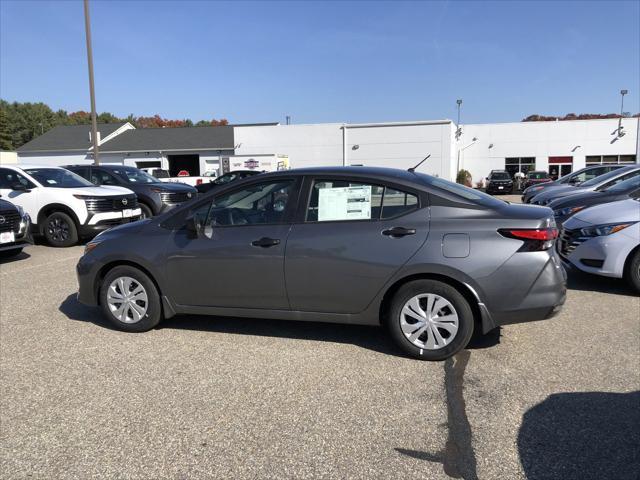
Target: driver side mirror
<point x="194" y="229"/>
<point x="19" y="187"/>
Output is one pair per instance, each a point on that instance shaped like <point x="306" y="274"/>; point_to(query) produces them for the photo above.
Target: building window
<point x="514" y="165"/>
<point x="599" y="159"/>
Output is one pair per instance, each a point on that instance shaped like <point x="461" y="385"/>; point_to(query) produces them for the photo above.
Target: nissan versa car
<point x="430" y="259"/>
<point x="596" y="184"/>
<point x="575" y="178"/>
<point x="154" y="196"/>
<point x="605" y="240"/>
<point x="563" y="208"/>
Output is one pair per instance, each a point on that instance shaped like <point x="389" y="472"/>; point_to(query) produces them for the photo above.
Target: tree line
<point x="573" y="116"/>
<point x="22" y="122"/>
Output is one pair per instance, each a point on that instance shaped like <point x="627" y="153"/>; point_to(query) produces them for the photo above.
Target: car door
<point x="238" y="260"/>
<point x="27" y="199"/>
<point x="352" y="237"/>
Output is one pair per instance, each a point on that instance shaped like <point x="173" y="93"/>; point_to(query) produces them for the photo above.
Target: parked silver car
<point x="605" y="240"/>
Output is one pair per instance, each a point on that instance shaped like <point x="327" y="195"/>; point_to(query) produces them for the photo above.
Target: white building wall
<point x="54" y="159"/>
<point x="306" y="145"/>
<point x="543" y="140"/>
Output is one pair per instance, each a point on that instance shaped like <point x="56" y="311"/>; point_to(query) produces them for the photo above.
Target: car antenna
<point x="413" y="169"/>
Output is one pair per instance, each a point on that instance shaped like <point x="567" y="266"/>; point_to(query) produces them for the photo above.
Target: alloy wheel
<point x="429" y="321"/>
<point x="58" y="229"/>
<point x="127" y="300"/>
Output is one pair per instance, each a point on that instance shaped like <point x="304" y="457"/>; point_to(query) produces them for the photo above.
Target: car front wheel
<point x="130" y="300"/>
<point x="60" y="230"/>
<point x="430" y="320"/>
<point x="146" y="211"/>
<point x="633" y="273"/>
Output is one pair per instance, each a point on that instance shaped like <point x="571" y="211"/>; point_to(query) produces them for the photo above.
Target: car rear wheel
<point x="60" y="230"/>
<point x="633" y="272"/>
<point x="430" y="320"/>
<point x="130" y="300"/>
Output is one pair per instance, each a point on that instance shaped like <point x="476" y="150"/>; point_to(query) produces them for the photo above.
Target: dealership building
<point x="557" y="147"/>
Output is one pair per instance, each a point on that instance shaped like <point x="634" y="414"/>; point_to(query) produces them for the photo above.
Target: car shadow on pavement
<point x="577" y="280"/>
<point x="368" y="337"/>
<point x="21" y="256"/>
<point x="587" y="435"/>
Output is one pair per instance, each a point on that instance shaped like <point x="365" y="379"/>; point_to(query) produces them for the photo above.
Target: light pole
<point x="622" y="94"/>
<point x="475" y="139"/>
<point x="92" y="94"/>
<point x="458" y="129"/>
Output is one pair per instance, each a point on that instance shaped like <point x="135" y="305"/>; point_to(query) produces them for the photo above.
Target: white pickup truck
<point x="163" y="176"/>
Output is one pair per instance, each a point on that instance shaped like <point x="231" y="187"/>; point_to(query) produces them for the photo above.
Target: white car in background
<point x="604" y="240"/>
<point x="63" y="206"/>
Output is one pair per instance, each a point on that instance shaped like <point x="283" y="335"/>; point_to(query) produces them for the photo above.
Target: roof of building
<point x="69" y="137"/>
<point x="166" y="139"/>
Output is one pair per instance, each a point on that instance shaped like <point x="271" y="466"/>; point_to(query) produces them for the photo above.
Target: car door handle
<point x="397" y="232"/>
<point x="265" y="242"/>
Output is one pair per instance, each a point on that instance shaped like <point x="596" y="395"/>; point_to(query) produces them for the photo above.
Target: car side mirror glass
<point x="19" y="187"/>
<point x="194" y="229"/>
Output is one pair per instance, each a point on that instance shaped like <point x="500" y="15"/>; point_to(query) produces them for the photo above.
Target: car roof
<point x="373" y="172"/>
<point x="27" y="166"/>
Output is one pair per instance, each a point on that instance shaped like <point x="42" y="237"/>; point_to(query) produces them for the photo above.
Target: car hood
<point x="125" y="228"/>
<point x="4" y="205"/>
<point x="620" y="211"/>
<point x="576" y="199"/>
<point x="172" y="187"/>
<point x="553" y="193"/>
<point x="97" y="191"/>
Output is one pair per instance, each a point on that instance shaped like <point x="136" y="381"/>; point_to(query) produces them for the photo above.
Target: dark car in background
<point x="575" y="178"/>
<point x="536" y="177"/>
<point x="154" y="196"/>
<point x="563" y="208"/>
<point x="499" y="181"/>
<point x="597" y="184"/>
<point x="429" y="259"/>
<point x="15" y="229"/>
<point x="226" y="178"/>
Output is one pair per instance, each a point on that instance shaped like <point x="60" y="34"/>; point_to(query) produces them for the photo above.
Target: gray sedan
<point x="429" y="259"/>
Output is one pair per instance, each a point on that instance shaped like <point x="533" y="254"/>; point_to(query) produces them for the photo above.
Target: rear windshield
<point x="58" y="177"/>
<point x="603" y="178"/>
<point x="538" y="175"/>
<point x="458" y="190"/>
<point x="500" y="176"/>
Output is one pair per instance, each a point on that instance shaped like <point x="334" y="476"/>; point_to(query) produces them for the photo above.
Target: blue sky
<point x="325" y="61"/>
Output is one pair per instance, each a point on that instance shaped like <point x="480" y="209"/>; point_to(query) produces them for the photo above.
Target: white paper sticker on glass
<point x="344" y="203"/>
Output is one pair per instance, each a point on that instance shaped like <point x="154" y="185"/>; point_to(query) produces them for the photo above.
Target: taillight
<point x="535" y="239"/>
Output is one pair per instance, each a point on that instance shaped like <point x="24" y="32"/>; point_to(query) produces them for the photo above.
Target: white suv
<point x="64" y="206"/>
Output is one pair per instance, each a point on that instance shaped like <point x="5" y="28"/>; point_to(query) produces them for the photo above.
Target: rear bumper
<point x="544" y="297"/>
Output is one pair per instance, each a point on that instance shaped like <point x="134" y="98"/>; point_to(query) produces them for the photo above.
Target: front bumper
<point x="23" y="237"/>
<point x="103" y="221"/>
<point x="609" y="252"/>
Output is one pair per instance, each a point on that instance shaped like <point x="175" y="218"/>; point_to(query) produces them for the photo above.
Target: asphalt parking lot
<point x="207" y="397"/>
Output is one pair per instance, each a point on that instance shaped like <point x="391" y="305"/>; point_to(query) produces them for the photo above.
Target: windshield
<point x="622" y="187"/>
<point x="461" y="191"/>
<point x="602" y="178"/>
<point x="134" y="175"/>
<point x="500" y="176"/>
<point x="226" y="178"/>
<point x="58" y="177"/>
<point x="538" y="175"/>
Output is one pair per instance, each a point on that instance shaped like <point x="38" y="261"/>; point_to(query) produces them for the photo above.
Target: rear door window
<point x="344" y="200"/>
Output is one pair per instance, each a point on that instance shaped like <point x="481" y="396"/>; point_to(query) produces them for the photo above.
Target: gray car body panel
<point x="342" y="271"/>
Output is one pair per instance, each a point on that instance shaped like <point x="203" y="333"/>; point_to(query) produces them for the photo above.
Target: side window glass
<point x="100" y="177"/>
<point x="8" y="178"/>
<point x="396" y="203"/>
<point x="263" y="203"/>
<point x="340" y="200"/>
<point x="82" y="171"/>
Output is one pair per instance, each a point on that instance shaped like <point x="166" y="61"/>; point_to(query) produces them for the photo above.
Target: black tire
<point x="153" y="313"/>
<point x="447" y="292"/>
<point x="10" y="253"/>
<point x="633" y="271"/>
<point x="60" y="230"/>
<point x="146" y="211"/>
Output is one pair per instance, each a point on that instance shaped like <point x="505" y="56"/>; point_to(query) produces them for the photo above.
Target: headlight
<point x="603" y="230"/>
<point x="157" y="190"/>
<point x="90" y="246"/>
<point x="562" y="212"/>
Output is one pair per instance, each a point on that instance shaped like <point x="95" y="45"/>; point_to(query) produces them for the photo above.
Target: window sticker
<point x="51" y="181"/>
<point x="344" y="203"/>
